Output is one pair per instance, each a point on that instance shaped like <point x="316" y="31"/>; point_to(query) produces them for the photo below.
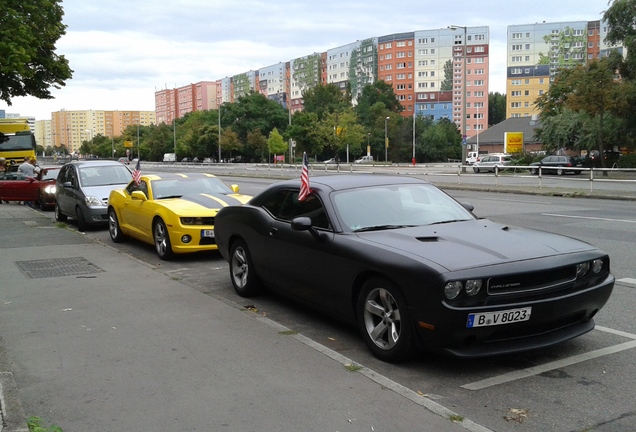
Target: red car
<point x="16" y="187"/>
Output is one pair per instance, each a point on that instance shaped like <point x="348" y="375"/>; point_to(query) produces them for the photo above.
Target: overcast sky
<point x="121" y="52"/>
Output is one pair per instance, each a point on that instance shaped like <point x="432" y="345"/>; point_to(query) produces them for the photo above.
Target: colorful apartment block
<point x="72" y="128"/>
<point x="536" y="52"/>
<point x="437" y="73"/>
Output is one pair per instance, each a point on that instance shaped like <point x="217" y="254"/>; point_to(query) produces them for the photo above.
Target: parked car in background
<point x="365" y="159"/>
<point x="557" y="164"/>
<point x="82" y="189"/>
<point x="412" y="267"/>
<point x="593" y="159"/>
<point x="173" y="212"/>
<point x="15" y="186"/>
<point x="491" y="162"/>
<point x="330" y="161"/>
<point x="471" y="158"/>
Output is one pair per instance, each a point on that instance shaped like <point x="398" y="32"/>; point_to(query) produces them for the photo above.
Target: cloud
<point x="123" y="51"/>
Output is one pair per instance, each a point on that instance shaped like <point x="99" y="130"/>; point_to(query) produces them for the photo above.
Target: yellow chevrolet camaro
<point x="174" y="212"/>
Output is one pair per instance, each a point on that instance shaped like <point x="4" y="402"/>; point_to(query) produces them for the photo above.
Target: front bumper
<point x="553" y="320"/>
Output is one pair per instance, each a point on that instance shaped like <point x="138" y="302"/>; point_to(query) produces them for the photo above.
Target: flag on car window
<point x="136" y="175"/>
<point x="304" y="180"/>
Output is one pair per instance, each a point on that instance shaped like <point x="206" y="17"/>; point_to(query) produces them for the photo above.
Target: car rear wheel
<point x="534" y="171"/>
<point x="384" y="321"/>
<point x="79" y="219"/>
<point x="113" y="227"/>
<point x="59" y="216"/>
<point x="475" y="169"/>
<point x="559" y="171"/>
<point x="162" y="240"/>
<point x="244" y="278"/>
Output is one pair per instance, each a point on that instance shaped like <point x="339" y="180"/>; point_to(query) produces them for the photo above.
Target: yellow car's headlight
<point x="208" y="220"/>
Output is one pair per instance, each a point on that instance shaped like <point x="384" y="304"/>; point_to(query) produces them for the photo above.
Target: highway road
<point x="581" y="385"/>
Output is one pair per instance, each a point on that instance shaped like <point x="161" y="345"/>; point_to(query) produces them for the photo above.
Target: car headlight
<point x="197" y="220"/>
<point x="92" y="201"/>
<point x="597" y="266"/>
<point x="473" y="286"/>
<point x="452" y="289"/>
<point x="582" y="268"/>
<point x="470" y="286"/>
<point x="50" y="189"/>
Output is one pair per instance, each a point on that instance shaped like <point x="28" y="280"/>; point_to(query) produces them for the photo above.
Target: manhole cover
<point x="57" y="267"/>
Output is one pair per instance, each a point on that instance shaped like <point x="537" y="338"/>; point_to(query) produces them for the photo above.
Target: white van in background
<point x="169" y="157"/>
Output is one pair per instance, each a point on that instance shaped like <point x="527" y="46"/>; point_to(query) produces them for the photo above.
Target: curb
<point x="13" y="417"/>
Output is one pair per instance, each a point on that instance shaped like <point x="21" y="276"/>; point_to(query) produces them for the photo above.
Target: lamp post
<point x="465" y="55"/>
<point x="220" y="105"/>
<point x="386" y="139"/>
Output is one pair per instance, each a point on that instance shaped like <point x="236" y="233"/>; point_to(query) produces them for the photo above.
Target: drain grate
<point x="57" y="267"/>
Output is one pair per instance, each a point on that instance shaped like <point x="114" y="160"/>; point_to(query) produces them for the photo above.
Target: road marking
<point x="385" y="382"/>
<point x="536" y="370"/>
<point x="589" y="217"/>
<point x="630" y="281"/>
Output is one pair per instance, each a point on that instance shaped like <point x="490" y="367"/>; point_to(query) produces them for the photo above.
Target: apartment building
<point x="438" y="73"/>
<point x="536" y="52"/>
<point x="71" y="128"/>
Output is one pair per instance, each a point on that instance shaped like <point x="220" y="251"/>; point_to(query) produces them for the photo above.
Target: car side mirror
<point x="139" y="195"/>
<point x="235" y="188"/>
<point x="303" y="223"/>
<point x="468" y="206"/>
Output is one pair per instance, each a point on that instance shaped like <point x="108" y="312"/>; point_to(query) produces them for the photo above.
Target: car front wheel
<point x="113" y="227"/>
<point x="162" y="240"/>
<point x="475" y="169"/>
<point x="384" y="321"/>
<point x="80" y="222"/>
<point x="534" y="171"/>
<point x="59" y="216"/>
<point x="244" y="278"/>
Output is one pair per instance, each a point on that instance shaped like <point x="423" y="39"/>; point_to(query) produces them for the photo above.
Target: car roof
<point x="352" y="181"/>
<point x="86" y="163"/>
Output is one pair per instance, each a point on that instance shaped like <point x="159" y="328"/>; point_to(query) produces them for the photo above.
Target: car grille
<point x="531" y="282"/>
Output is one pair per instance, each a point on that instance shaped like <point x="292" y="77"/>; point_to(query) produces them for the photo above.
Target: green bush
<point x="627" y="161"/>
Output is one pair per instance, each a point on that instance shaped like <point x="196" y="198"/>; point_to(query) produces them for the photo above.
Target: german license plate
<point x="498" y="318"/>
<point x="207" y="233"/>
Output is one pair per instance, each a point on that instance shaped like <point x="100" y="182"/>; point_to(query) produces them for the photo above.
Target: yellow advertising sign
<point x="513" y="142"/>
<point x="128" y="144"/>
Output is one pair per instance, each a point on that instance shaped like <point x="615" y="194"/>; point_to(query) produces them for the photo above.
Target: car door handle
<point x="273" y="231"/>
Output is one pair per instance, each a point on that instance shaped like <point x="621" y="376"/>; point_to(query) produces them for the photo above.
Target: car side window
<point x="284" y="205"/>
<point x="142" y="186"/>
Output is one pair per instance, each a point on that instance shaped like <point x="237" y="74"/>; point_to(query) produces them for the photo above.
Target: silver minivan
<point x="82" y="189"/>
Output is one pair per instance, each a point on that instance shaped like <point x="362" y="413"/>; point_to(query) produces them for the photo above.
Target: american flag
<point x="304" y="180"/>
<point x="136" y="175"/>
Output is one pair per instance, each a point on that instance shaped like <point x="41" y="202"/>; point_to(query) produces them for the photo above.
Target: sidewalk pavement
<point x="94" y="340"/>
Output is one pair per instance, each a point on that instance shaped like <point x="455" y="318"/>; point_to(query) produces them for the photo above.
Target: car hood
<point x="101" y="192"/>
<point x="463" y="245"/>
<point x="197" y="202"/>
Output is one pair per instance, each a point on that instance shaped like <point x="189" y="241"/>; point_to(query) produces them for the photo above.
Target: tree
<point x="257" y="141"/>
<point x="324" y="99"/>
<point x="496" y="108"/>
<point x="621" y="20"/>
<point x="591" y="89"/>
<point x="275" y="143"/>
<point x="29" y="30"/>
<point x="372" y="94"/>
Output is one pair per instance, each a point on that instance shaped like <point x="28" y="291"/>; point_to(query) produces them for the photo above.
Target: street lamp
<point x="386" y="139"/>
<point x="465" y="55"/>
<point x="220" y="105"/>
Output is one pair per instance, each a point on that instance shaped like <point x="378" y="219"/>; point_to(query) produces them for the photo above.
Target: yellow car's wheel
<point x="113" y="227"/>
<point x="162" y="240"/>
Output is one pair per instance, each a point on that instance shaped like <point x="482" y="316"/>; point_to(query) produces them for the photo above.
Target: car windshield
<point x="175" y="188"/>
<point x="104" y="175"/>
<point x="397" y="206"/>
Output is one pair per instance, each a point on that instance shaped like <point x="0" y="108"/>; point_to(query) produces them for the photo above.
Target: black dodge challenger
<point x="412" y="267"/>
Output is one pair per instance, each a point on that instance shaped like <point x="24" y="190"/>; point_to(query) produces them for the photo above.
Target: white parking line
<point x="589" y="217"/>
<point x="630" y="281"/>
<point x="536" y="370"/>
